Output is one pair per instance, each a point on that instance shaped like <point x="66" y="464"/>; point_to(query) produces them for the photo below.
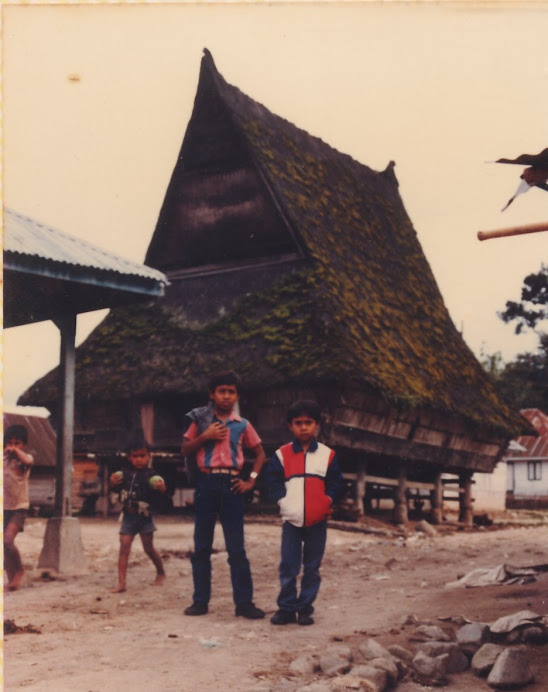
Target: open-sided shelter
<point x="299" y="267"/>
<point x="50" y="275"/>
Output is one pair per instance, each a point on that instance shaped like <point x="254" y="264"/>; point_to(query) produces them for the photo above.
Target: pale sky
<point x="97" y="99"/>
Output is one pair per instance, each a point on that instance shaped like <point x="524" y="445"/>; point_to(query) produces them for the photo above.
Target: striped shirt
<point x="228" y="452"/>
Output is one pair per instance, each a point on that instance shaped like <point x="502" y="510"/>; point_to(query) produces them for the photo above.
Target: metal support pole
<point x="63" y="550"/>
<point x="65" y="431"/>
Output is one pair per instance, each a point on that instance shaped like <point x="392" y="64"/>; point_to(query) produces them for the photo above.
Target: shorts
<point x="132" y="524"/>
<point x="17" y="516"/>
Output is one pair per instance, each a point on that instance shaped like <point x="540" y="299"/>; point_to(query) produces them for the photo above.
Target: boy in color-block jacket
<point x="304" y="478"/>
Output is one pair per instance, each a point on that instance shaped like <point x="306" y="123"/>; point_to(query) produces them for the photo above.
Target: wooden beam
<point x="515" y="230"/>
<point x="452" y="460"/>
<point x="400" y="497"/>
<point x="391" y="482"/>
<point x="360" y="487"/>
<point x="436" y="500"/>
<point x="466" y="512"/>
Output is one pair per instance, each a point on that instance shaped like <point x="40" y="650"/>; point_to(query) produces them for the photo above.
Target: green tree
<point x="523" y="382"/>
<point x="533" y="307"/>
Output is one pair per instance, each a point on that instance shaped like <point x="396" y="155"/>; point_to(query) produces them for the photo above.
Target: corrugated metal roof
<point x="534" y="447"/>
<point x="24" y="236"/>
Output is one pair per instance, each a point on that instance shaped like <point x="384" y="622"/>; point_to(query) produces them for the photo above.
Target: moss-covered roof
<point x="365" y="309"/>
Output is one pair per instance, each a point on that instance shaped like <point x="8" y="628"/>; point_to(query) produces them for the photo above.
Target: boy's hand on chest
<point x="216" y="431"/>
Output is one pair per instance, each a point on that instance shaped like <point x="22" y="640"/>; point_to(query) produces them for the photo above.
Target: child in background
<point x="137" y="486"/>
<point x="303" y="477"/>
<point x="17" y="465"/>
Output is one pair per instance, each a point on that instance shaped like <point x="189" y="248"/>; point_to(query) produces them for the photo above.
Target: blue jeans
<point x="307" y="545"/>
<point x="214" y="498"/>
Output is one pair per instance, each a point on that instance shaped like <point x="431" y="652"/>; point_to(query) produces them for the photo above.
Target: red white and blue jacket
<point x="304" y="484"/>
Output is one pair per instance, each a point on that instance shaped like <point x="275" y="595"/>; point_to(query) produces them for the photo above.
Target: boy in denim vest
<point x="217" y="435"/>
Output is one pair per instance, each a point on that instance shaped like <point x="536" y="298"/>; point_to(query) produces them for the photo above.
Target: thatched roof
<point x="363" y="307"/>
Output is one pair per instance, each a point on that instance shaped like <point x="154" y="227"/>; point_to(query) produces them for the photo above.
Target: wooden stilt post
<point x="400" y="497"/>
<point x="466" y="513"/>
<point x="436" y="499"/>
<point x="106" y="488"/>
<point x="360" y="488"/>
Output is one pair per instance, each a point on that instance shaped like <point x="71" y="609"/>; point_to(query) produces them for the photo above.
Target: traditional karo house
<point x="297" y="266"/>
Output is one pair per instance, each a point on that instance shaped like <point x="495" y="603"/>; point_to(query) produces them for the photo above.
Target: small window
<point x="534" y="470"/>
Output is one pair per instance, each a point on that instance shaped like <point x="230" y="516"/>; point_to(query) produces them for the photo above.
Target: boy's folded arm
<point x="24" y="457"/>
<point x="190" y="446"/>
<point x="275" y="479"/>
<point x="334" y="481"/>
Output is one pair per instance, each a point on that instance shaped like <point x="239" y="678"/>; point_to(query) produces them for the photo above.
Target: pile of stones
<point x="497" y="652"/>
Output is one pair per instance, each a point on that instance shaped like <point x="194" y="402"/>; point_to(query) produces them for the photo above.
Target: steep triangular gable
<point x="218" y="209"/>
<point x="363" y="307"/>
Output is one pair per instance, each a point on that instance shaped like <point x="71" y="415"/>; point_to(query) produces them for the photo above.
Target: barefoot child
<point x="17" y="464"/>
<point x="137" y="485"/>
<point x="303" y="477"/>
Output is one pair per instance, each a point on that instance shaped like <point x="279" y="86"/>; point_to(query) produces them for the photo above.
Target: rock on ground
<point x="511" y="670"/>
<point x="485" y="657"/>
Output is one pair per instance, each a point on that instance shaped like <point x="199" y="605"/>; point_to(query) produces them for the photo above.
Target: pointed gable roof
<point x="216" y="209"/>
<point x="365" y="309"/>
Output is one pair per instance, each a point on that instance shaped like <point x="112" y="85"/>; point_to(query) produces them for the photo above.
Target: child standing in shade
<point x="304" y="478"/>
<point x="217" y="435"/>
<point x="17" y="465"/>
<point x="137" y="486"/>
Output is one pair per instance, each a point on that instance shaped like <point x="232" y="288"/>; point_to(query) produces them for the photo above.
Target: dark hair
<point x="136" y="442"/>
<point x="305" y="407"/>
<point x="19" y="432"/>
<point x="224" y="377"/>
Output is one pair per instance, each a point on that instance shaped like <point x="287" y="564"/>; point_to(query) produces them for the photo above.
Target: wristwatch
<point x="253" y="475"/>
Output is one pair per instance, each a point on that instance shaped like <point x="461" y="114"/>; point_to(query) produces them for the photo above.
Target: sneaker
<point x="249" y="611"/>
<point x="283" y="617"/>
<point x="196" y="609"/>
<point x="305" y="619"/>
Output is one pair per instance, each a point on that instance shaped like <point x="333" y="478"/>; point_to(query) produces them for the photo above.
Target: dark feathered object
<point x="537" y="160"/>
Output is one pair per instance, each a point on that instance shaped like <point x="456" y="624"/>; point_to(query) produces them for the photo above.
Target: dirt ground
<point x="91" y="640"/>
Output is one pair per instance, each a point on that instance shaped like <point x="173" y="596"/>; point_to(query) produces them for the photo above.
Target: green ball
<point x="153" y="479"/>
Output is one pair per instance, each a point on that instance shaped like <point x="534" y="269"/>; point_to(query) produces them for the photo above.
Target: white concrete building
<point x="489" y="491"/>
<point x="527" y="465"/>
